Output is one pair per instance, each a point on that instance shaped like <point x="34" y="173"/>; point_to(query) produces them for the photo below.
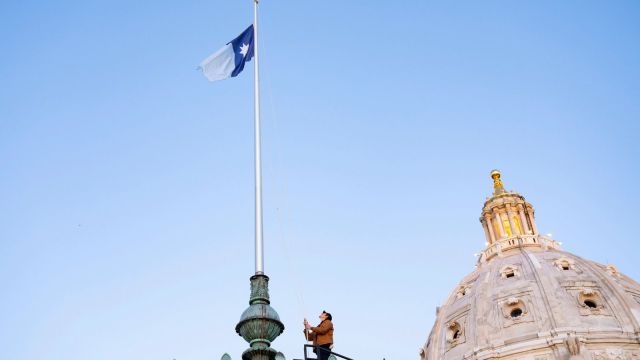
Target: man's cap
<point x="328" y="315"/>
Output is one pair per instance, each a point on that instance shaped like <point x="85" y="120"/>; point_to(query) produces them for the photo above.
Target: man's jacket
<point x="321" y="334"/>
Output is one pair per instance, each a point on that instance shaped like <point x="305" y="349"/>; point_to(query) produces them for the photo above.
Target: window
<point x="564" y="264"/>
<point x="517" y="312"/>
<point x="454" y="333"/>
<point x="462" y="291"/>
<point x="518" y="227"/>
<point x="590" y="303"/>
<point x="509" y="271"/>
<point x="496" y="228"/>
<point x="507" y="226"/>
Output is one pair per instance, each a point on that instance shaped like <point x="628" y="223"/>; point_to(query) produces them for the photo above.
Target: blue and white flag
<point x="229" y="61"/>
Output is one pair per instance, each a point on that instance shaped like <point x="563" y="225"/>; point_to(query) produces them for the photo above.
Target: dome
<point x="528" y="299"/>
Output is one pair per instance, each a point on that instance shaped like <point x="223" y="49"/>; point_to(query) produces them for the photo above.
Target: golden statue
<point x="498" y="188"/>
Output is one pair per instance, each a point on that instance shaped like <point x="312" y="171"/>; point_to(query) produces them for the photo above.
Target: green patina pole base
<point x="259" y="324"/>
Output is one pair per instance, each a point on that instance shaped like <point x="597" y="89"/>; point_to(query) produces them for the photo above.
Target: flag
<point x="229" y="61"/>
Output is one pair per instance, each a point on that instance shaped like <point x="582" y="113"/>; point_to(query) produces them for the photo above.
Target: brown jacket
<point x="321" y="334"/>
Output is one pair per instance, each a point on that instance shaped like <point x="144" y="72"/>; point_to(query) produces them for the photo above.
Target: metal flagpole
<point x="258" y="163"/>
<point x="254" y="328"/>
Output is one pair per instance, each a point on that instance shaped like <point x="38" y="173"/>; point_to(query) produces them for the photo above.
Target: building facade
<point x="528" y="299"/>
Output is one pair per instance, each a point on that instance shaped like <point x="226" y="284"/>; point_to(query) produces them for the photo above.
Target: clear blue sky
<point x="126" y="179"/>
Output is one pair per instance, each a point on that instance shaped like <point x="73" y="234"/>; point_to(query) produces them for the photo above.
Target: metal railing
<point x="306" y="356"/>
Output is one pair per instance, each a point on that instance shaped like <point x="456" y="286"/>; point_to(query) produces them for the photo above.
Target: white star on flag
<point x="244" y="49"/>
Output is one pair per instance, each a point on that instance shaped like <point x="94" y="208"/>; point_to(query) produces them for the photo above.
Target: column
<point x="499" y="220"/>
<point x="533" y="221"/>
<point x="514" y="229"/>
<point x="486" y="232"/>
<point x="487" y="222"/>
<point x="523" y="221"/>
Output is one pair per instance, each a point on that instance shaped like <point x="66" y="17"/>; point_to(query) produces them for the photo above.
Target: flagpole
<point x="258" y="162"/>
<point x="259" y="318"/>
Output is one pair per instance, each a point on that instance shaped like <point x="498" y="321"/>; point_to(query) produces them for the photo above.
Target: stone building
<point x="528" y="299"/>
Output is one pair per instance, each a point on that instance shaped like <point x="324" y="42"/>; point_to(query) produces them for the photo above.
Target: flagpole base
<point x="259" y="324"/>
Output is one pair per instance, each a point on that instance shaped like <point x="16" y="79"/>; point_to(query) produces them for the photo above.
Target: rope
<point x="282" y="218"/>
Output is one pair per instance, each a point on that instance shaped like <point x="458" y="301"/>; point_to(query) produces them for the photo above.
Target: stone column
<point x="514" y="229"/>
<point x="487" y="221"/>
<point x="498" y="219"/>
<point x="533" y="222"/>
<point x="486" y="232"/>
<point x="523" y="221"/>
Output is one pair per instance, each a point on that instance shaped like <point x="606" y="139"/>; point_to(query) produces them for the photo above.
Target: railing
<point x="335" y="354"/>
<point x="519" y="241"/>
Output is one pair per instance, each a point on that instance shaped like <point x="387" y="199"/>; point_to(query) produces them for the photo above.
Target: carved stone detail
<point x="463" y="290"/>
<point x="573" y="347"/>
<point x="615" y="354"/>
<point x="512" y="301"/>
<point x="609" y="354"/>
<point x="612" y="270"/>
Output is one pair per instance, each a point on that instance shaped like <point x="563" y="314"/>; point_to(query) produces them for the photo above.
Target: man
<point x="321" y="335"/>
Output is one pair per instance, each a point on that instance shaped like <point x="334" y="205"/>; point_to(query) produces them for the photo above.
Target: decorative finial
<point x="498" y="188"/>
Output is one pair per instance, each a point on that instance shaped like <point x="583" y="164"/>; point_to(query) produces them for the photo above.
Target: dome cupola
<point x="506" y="213"/>
<point x="508" y="220"/>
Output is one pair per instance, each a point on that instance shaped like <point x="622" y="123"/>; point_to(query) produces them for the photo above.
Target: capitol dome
<point x="528" y="299"/>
